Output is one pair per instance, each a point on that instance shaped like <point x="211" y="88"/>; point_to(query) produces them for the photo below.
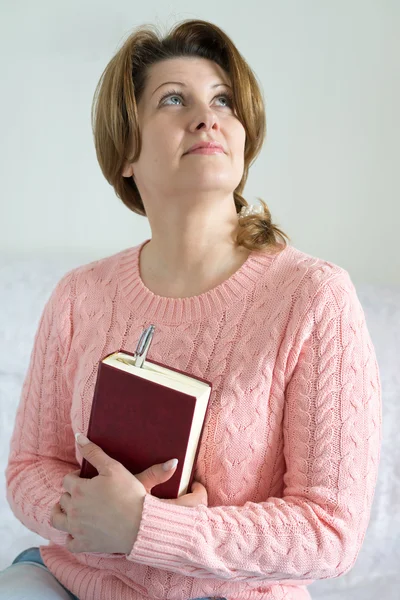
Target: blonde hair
<point x="115" y="116"/>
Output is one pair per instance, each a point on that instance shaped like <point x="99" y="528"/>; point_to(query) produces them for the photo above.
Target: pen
<point x="143" y="345"/>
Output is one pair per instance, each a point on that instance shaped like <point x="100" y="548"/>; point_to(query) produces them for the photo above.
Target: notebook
<point x="145" y="412"/>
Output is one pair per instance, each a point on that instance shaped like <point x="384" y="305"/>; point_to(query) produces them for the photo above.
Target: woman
<point x="287" y="467"/>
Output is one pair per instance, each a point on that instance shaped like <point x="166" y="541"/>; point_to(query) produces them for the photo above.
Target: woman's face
<point x="173" y="117"/>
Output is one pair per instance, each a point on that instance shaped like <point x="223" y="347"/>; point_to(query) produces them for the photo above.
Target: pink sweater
<point x="291" y="444"/>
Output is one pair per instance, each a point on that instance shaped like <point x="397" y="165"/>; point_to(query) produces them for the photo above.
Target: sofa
<point x="26" y="283"/>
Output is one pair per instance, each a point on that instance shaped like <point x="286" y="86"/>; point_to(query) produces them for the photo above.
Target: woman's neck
<point x="163" y="282"/>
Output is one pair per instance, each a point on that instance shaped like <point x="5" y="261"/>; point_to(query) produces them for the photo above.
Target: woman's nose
<point x="205" y="118"/>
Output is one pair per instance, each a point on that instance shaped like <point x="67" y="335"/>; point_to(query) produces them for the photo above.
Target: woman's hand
<point x="198" y="496"/>
<point x="103" y="514"/>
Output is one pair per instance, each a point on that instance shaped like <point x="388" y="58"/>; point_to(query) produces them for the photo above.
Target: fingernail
<point x="81" y="439"/>
<point x="170" y="464"/>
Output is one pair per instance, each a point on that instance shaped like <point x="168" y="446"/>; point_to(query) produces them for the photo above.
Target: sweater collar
<point x="175" y="311"/>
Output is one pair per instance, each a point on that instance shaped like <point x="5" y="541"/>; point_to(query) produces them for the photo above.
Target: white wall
<point x="330" y="75"/>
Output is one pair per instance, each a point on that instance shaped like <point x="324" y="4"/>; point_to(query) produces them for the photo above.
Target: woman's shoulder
<point x="100" y="271"/>
<point x="307" y="271"/>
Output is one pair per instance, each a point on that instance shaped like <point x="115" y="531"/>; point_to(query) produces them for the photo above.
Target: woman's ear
<point x="127" y="170"/>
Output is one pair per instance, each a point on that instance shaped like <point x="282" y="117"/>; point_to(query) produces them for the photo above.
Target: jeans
<point x="28" y="577"/>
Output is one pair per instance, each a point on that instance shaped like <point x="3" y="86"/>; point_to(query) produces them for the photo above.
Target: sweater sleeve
<point x="331" y="443"/>
<point x="42" y="446"/>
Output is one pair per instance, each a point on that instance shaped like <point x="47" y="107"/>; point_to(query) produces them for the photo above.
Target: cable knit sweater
<point x="291" y="443"/>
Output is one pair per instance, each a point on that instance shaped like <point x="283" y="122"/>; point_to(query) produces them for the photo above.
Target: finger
<point x="154" y="475"/>
<point x="72" y="544"/>
<point x="58" y="519"/>
<point x="70" y="479"/>
<point x="75" y="473"/>
<point x="197" y="496"/>
<point x="97" y="457"/>
<point x="199" y="493"/>
<point x="65" y="502"/>
<point x="75" y="546"/>
<point x="198" y="488"/>
<point x="186" y="500"/>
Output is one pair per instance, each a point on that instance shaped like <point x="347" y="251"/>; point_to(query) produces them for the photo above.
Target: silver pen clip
<point x="143" y="345"/>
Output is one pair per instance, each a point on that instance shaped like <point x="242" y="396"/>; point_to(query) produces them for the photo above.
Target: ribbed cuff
<point x="165" y="534"/>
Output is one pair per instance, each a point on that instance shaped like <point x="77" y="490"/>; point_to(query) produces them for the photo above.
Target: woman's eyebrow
<point x="184" y="85"/>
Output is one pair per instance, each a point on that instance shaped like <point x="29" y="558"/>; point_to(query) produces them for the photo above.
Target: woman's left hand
<point x="103" y="514"/>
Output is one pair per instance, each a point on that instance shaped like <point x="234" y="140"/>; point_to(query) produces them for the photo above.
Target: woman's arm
<point x="332" y="439"/>
<point x="42" y="447"/>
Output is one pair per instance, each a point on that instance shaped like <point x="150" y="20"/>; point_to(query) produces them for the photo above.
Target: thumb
<point x="94" y="454"/>
<point x="157" y="474"/>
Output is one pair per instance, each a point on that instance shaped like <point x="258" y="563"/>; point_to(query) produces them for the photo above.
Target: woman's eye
<point x="170" y="95"/>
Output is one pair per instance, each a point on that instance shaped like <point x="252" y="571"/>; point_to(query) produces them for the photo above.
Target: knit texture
<point x="291" y="443"/>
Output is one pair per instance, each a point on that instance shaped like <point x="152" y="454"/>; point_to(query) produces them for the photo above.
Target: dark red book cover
<point x="141" y="423"/>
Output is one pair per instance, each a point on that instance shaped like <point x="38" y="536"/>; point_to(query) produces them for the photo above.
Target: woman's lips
<point x="206" y="151"/>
